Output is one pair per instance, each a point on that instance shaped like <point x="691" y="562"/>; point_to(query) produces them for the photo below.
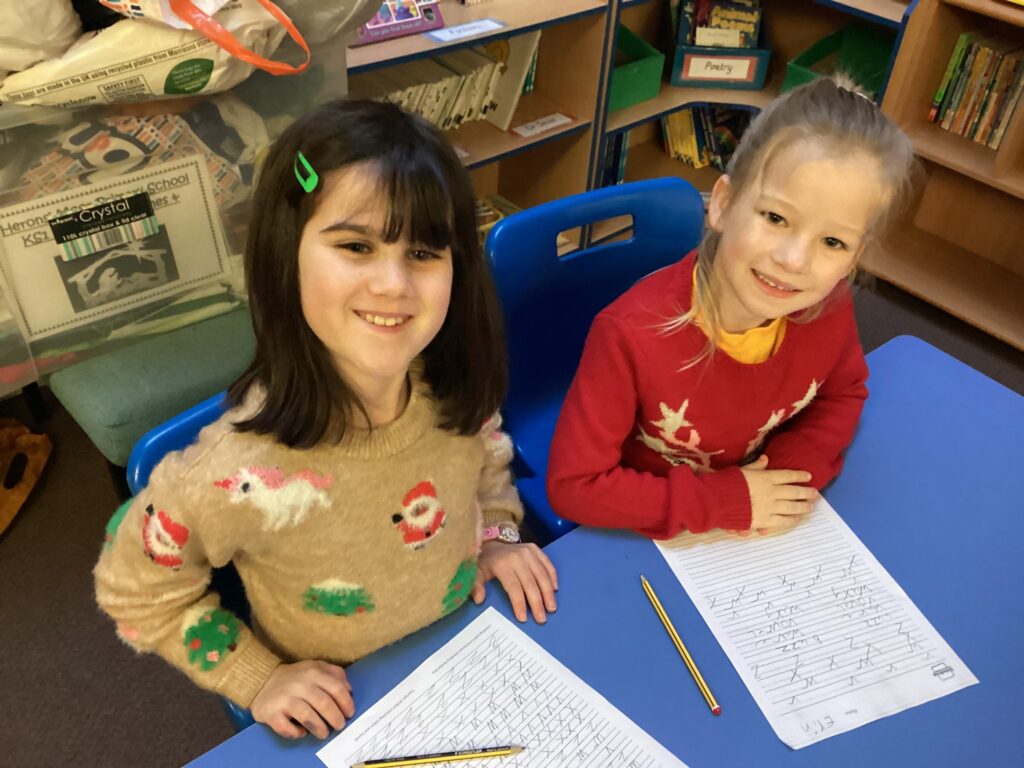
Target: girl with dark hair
<point x="721" y="391"/>
<point x="360" y="482"/>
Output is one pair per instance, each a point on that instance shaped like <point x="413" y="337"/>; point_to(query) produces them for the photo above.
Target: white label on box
<point x="540" y="125"/>
<point x="717" y="68"/>
<point x="460" y="152"/>
<point x="727" y="38"/>
<point x="469" y="29"/>
<point x="49" y="295"/>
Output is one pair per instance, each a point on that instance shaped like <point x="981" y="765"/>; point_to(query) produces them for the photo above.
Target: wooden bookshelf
<point x="671" y="99"/>
<point x="648" y="160"/>
<point x="889" y="11"/>
<point x="971" y="288"/>
<point x="959" y="247"/>
<point x="517" y="15"/>
<point x="484" y="143"/>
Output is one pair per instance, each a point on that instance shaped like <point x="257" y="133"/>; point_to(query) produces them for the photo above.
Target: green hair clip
<point x="310" y="179"/>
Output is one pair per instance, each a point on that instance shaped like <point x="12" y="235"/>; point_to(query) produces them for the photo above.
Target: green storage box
<point x="862" y="52"/>
<point x="638" y="77"/>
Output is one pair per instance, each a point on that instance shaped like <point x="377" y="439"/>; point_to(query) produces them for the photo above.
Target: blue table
<point x="929" y="486"/>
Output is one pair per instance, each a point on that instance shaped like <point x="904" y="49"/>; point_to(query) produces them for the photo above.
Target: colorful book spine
<point x="963" y="42"/>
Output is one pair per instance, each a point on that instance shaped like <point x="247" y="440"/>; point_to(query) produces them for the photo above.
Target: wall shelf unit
<point x="960" y="244"/>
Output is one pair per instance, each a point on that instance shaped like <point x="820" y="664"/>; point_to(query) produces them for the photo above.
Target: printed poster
<point x="74" y="257"/>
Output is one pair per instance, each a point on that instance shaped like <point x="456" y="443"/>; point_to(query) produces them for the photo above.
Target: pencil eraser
<point x="716" y="711"/>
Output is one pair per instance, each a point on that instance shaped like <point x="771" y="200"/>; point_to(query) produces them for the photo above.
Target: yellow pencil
<point x="697" y="678"/>
<point x="440" y="757"/>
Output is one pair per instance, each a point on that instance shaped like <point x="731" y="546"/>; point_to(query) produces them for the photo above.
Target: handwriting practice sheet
<point x="492" y="686"/>
<point x="820" y="633"/>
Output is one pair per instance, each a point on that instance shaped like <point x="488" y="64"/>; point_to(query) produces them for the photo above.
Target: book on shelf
<point x="397" y="18"/>
<point x="616" y="152"/>
<point x="963" y="42"/>
<point x="979" y="89"/>
<point x="514" y="55"/>
<point x="703" y="136"/>
<point x="717" y="23"/>
<point x="465" y="85"/>
<point x="1007" y="109"/>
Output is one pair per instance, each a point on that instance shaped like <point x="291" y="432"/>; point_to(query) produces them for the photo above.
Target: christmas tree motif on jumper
<point x="211" y="638"/>
<point x="114" y="523"/>
<point x="422" y="515"/>
<point x="460" y="586"/>
<point x="283" y="499"/>
<point x="338" y="598"/>
<point x="163" y="538"/>
<point x="677" y="450"/>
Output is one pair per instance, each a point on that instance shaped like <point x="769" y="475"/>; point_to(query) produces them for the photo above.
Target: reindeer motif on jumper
<point x="779" y="416"/>
<point x="422" y="517"/>
<point x="677" y="447"/>
<point x="283" y="499"/>
<point x="673" y="447"/>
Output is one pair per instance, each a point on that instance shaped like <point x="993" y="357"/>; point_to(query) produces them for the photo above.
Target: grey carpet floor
<point x="71" y="694"/>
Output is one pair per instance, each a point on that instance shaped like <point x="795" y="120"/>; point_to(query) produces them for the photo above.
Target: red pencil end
<point x="716" y="711"/>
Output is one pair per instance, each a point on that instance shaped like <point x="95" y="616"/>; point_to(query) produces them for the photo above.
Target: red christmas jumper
<point x="645" y="445"/>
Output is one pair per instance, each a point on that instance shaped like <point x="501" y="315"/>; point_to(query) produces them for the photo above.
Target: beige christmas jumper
<point x="342" y="548"/>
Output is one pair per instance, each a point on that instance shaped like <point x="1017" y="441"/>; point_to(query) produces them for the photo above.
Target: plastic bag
<point x="141" y="60"/>
<point x="198" y="15"/>
<point x="35" y="31"/>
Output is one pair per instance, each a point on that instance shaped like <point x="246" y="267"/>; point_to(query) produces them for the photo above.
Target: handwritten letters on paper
<point x="820" y="633"/>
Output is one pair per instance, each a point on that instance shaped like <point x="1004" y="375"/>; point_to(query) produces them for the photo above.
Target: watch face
<point x="508" y="534"/>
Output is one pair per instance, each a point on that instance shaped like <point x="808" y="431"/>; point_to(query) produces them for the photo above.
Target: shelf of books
<point x="956" y="90"/>
<point x="976" y="290"/>
<point x="513" y="16"/>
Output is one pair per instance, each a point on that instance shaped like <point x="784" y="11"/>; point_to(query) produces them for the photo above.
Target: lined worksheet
<point x="818" y="630"/>
<point x="492" y="686"/>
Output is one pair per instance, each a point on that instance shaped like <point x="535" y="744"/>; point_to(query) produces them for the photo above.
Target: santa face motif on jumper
<point x="163" y="538"/>
<point x="422" y="516"/>
<point x="283" y="499"/>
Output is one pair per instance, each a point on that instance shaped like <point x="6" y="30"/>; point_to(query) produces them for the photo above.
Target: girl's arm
<point x="814" y="439"/>
<point x="153" y="580"/>
<point x="497" y="496"/>
<point x="586" y="480"/>
<point x="525" y="572"/>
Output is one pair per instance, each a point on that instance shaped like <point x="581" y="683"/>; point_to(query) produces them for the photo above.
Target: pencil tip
<point x="516" y="750"/>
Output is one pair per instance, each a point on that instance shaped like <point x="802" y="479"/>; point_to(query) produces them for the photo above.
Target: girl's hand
<point x="777" y="503"/>
<point x="308" y="697"/>
<point x="524" y="571"/>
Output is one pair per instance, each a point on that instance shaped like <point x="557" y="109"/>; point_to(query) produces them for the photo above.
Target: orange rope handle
<point x="215" y="31"/>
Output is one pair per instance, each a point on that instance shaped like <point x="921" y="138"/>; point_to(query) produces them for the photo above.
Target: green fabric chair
<point x="119" y="396"/>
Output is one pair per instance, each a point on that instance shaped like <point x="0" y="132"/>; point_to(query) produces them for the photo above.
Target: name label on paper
<point x="469" y="29"/>
<point x="718" y="68"/>
<point x="541" y="124"/>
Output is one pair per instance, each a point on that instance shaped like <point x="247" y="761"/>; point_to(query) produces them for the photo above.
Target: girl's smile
<point x="786" y="241"/>
<point x="374" y="304"/>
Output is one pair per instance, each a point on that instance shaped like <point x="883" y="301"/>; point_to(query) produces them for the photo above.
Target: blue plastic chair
<point x="173" y="435"/>
<point x="550" y="301"/>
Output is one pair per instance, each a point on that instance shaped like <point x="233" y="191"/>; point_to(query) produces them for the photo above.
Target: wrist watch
<point x="507" y="533"/>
